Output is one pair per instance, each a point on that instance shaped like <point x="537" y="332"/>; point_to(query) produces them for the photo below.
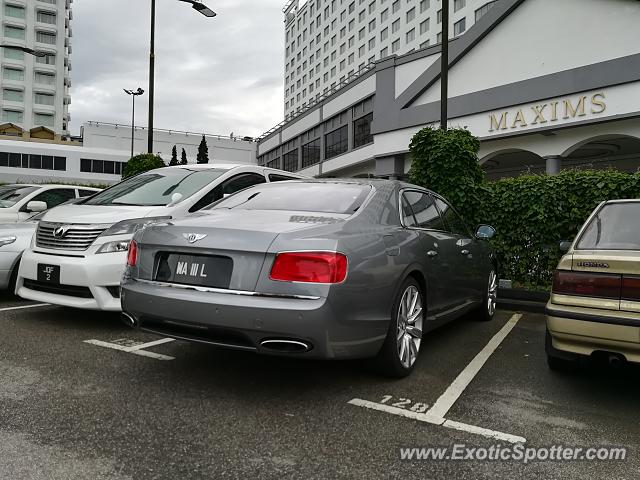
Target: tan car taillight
<point x="630" y="288"/>
<point x="587" y="284"/>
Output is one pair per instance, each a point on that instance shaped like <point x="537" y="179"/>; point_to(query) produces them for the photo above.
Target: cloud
<point x="214" y="75"/>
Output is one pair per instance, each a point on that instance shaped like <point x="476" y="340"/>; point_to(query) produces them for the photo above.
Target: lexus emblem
<point x="60" y="231"/>
<point x="194" y="237"/>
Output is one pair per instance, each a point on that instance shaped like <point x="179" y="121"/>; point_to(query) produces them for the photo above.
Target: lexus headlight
<point x="111" y="247"/>
<point x="129" y="227"/>
<point x="7" y="240"/>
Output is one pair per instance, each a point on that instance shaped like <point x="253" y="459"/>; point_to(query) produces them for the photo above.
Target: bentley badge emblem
<point x="194" y="237"/>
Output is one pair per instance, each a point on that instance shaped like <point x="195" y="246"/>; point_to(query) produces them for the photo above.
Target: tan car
<point x="595" y="300"/>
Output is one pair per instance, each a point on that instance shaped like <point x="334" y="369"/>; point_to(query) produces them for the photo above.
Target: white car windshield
<point x="12" y="194"/>
<point x="156" y="187"/>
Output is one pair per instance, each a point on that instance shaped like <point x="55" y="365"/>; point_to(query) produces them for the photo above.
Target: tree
<point x="183" y="159"/>
<point x="142" y="163"/>
<point x="203" y="151"/>
<point x="174" y="156"/>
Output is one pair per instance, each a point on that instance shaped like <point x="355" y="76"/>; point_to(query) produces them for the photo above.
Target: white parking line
<point x="451" y="394"/>
<point x="151" y="344"/>
<point x="436" y="414"/>
<point x="134" y="350"/>
<point x="24" y="306"/>
<point x="434" y="420"/>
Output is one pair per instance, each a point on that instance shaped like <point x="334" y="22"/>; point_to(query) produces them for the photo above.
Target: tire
<point x="487" y="309"/>
<point x="13" y="279"/>
<point x="559" y="361"/>
<point x="401" y="348"/>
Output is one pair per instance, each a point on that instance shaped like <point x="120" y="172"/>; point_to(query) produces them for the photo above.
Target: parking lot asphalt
<point x="70" y="409"/>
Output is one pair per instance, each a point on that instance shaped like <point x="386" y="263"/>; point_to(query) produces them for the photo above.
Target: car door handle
<point x="464" y="252"/>
<point x="432" y="253"/>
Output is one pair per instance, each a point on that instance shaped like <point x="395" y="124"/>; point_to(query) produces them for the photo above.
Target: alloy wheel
<point x="410" y="319"/>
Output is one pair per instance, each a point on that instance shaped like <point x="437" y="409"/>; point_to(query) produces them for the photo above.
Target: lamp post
<point x="444" y="67"/>
<point x="134" y="94"/>
<point x="196" y="5"/>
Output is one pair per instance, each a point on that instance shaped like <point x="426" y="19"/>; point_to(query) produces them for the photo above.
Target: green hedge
<point x="531" y="213"/>
<point x="142" y="163"/>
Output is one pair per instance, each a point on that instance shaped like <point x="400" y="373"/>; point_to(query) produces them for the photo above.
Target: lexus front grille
<point x="62" y="236"/>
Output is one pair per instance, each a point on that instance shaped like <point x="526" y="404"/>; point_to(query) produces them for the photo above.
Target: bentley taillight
<point x="310" y="267"/>
<point x="132" y="254"/>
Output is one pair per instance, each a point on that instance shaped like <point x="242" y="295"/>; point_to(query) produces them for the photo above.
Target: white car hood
<point x="18" y="228"/>
<point x="99" y="214"/>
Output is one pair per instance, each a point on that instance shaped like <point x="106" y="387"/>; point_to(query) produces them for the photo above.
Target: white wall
<point x="542" y="37"/>
<point x="118" y="137"/>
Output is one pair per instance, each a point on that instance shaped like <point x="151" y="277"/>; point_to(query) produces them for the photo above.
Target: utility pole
<point x="444" y="68"/>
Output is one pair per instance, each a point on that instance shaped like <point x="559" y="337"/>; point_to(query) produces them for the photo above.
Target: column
<point x="553" y="164"/>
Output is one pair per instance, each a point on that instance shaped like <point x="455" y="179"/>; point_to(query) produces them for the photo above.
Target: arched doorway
<point x="511" y="163"/>
<point x="621" y="152"/>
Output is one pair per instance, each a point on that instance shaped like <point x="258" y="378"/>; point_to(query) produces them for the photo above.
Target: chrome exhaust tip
<point x="129" y="320"/>
<point x="282" y="345"/>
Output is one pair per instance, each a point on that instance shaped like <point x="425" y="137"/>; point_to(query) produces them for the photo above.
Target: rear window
<point x="615" y="227"/>
<point x="300" y="197"/>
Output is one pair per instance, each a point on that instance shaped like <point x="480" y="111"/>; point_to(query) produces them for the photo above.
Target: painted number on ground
<point x="406" y="403"/>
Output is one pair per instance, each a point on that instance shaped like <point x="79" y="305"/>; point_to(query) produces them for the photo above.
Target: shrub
<point x="142" y="163"/>
<point x="532" y="214"/>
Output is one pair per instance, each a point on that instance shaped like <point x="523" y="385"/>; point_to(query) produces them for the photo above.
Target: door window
<point x="424" y="210"/>
<point x="274" y="177"/>
<point x="86" y="193"/>
<point x="228" y="187"/>
<point x="55" y="196"/>
<point x="452" y="220"/>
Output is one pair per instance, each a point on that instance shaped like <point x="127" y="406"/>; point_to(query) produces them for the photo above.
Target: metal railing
<point x="182" y="132"/>
<point x="313" y="103"/>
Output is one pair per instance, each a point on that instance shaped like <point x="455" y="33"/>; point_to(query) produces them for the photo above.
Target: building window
<point x="52" y="2"/>
<point x="12" y="116"/>
<point x="459" y="27"/>
<point x="362" y="131"/>
<point x="439" y="16"/>
<point x="395" y="6"/>
<point x="384" y="52"/>
<point x="44" y="99"/>
<point x="424" y="5"/>
<point x="44" y="119"/>
<point x="275" y="163"/>
<point x="458" y="4"/>
<point x="384" y="15"/>
<point x="13" y="74"/>
<point x="336" y="142"/>
<point x="484" y="9"/>
<point x="46" y="37"/>
<point x="88" y="165"/>
<point x="290" y="161"/>
<point x="45" y="78"/>
<point x="13" y="54"/>
<point x="411" y="14"/>
<point x="395" y="46"/>
<point x="372" y="43"/>
<point x="46" y="17"/>
<point x="384" y="34"/>
<point x="424" y="27"/>
<point x="372" y="25"/>
<point x="14" y="11"/>
<point x="39" y="162"/>
<point x="411" y="35"/>
<point x="311" y="153"/>
<point x="13" y="95"/>
<point x="14" y="32"/>
<point x="395" y="26"/>
<point x="439" y="37"/>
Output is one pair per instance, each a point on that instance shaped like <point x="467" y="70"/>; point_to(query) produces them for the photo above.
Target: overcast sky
<point x="215" y="75"/>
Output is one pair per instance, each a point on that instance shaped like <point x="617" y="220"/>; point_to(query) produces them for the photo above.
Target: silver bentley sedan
<point x="328" y="269"/>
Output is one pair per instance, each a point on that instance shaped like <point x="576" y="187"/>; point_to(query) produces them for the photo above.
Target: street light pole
<point x="196" y="5"/>
<point x="444" y="67"/>
<point x="134" y="94"/>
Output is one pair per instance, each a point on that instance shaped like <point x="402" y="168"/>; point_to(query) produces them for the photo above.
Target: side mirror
<point x="175" y="198"/>
<point x="485" y="232"/>
<point x="35" y="206"/>
<point x="565" y="246"/>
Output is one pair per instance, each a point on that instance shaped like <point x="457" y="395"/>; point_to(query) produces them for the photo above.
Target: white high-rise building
<point x="35" y="89"/>
<point x="328" y="42"/>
